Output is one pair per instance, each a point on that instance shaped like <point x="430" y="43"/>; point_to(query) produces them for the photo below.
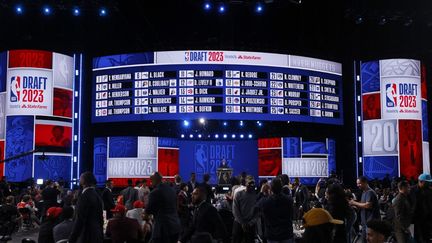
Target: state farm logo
<point x="248" y="57"/>
<point x="391" y="95"/>
<point x="15" y="90"/>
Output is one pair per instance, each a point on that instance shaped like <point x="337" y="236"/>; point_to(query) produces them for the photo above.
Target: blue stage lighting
<point x="222" y="8"/>
<point x="241" y="123"/>
<point x="207" y="6"/>
<point x="250" y="136"/>
<point x="199" y="135"/>
<point x="103" y="12"/>
<point x="259" y="8"/>
<point x="225" y="136"/>
<point x="185" y="123"/>
<point x="202" y="120"/>
<point x="241" y="136"/>
<point x="216" y="135"/>
<point x="19" y="10"/>
<point x="46" y="10"/>
<point x="76" y="11"/>
<point x="182" y="136"/>
<point x="191" y="135"/>
<point x="233" y="136"/>
<point x="225" y="123"/>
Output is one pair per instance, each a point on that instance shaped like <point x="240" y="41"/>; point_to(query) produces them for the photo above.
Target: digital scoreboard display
<point x="178" y="85"/>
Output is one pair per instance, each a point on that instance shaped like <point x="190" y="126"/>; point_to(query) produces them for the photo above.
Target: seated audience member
<point x="27" y="211"/>
<point x="8" y="217"/>
<point x="319" y="225"/>
<point x="51" y="220"/>
<point x="378" y="231"/>
<point x="137" y="212"/>
<point x="63" y="230"/>
<point x="121" y="229"/>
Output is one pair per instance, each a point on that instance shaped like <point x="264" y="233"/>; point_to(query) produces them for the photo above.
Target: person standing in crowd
<point x="8" y="216"/>
<point x="63" y="230"/>
<point x="143" y="192"/>
<point x="206" y="185"/>
<point x="277" y="210"/>
<point x="319" y="225"/>
<point x="301" y="198"/>
<point x="403" y="213"/>
<point x="339" y="208"/>
<point x="163" y="205"/>
<point x="177" y="183"/>
<point x="192" y="183"/>
<point x="121" y="228"/>
<point x="88" y="222"/>
<point x="368" y="205"/>
<point x="46" y="229"/>
<point x="205" y="219"/>
<point x="130" y="195"/>
<point x="108" y="199"/>
<point x="245" y="213"/>
<point x="378" y="231"/>
<point x="421" y="197"/>
<point x="49" y="196"/>
<point x="183" y="205"/>
<point x="285" y="184"/>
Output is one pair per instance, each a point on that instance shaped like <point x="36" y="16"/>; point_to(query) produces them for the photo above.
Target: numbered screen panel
<point x="394" y="114"/>
<point x="216" y="85"/>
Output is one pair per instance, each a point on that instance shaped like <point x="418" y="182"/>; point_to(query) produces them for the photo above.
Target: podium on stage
<point x="224" y="175"/>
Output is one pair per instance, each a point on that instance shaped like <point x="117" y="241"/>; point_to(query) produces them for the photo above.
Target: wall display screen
<point x="216" y="85"/>
<point x="394" y="118"/>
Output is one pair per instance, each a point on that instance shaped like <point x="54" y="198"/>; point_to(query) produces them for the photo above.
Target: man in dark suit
<point x="403" y="212"/>
<point x="130" y="195"/>
<point x="206" y="219"/>
<point x="49" y="196"/>
<point x="163" y="205"/>
<point x="301" y="198"/>
<point x="88" y="223"/>
<point x="192" y="183"/>
<point x="107" y="198"/>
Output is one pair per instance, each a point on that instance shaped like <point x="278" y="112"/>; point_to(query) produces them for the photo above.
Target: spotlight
<point x="216" y="135"/>
<point x="382" y="21"/>
<point x="18" y="10"/>
<point x="225" y="136"/>
<point x="76" y="12"/>
<point x="233" y="136"/>
<point x="222" y="8"/>
<point x="207" y="6"/>
<point x="182" y="136"/>
<point x="199" y="135"/>
<point x="46" y="10"/>
<point x="202" y="120"/>
<point x="241" y="136"/>
<point x="359" y="20"/>
<point x="241" y="123"/>
<point x="191" y="135"/>
<point x="103" y="12"/>
<point x="185" y="123"/>
<point x="225" y="123"/>
<point x="259" y="8"/>
<point x="250" y="136"/>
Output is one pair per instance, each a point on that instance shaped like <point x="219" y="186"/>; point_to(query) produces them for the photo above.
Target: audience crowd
<point x="279" y="210"/>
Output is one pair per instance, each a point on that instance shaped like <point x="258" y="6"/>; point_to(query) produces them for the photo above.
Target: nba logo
<point x="391" y="95"/>
<point x="15" y="89"/>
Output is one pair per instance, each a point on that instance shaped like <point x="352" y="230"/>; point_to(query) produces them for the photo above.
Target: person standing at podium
<point x="223" y="164"/>
<point x="223" y="177"/>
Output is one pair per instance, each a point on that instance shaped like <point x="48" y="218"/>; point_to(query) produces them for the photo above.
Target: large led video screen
<point x="394" y="118"/>
<point x="36" y="89"/>
<point x="216" y="85"/>
<point x="132" y="157"/>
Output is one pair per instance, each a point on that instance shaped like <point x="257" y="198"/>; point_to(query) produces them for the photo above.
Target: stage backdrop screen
<point x="216" y="85"/>
<point x="36" y="90"/>
<point x="394" y="118"/>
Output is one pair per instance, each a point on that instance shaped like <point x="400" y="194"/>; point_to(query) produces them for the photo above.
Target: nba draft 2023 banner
<point x="394" y="115"/>
<point x="36" y="95"/>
